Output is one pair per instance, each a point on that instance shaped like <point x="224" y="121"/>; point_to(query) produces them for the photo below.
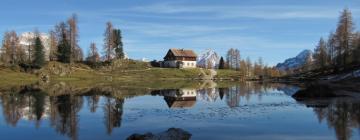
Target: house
<point x="179" y="58"/>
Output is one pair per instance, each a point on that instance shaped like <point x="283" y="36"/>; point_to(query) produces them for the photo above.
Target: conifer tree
<point x="64" y="47"/>
<point x="118" y="44"/>
<point x="39" y="56"/>
<point x="221" y="63"/>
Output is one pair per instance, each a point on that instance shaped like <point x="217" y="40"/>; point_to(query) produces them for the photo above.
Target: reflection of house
<point x="180" y="98"/>
<point x="180" y="58"/>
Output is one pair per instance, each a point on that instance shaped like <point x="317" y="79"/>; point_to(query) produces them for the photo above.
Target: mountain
<point x="295" y="62"/>
<point x="26" y="39"/>
<point x="209" y="56"/>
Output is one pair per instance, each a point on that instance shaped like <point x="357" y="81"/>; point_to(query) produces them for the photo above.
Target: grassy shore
<point x="83" y="74"/>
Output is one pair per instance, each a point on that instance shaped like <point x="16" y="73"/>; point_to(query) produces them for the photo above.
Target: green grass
<point x="133" y="73"/>
<point x="10" y="77"/>
<point x="229" y="74"/>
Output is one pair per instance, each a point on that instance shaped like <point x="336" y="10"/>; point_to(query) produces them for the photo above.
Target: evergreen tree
<point x="118" y="44"/>
<point x="39" y="56"/>
<point x="64" y="47"/>
<point x="221" y="63"/>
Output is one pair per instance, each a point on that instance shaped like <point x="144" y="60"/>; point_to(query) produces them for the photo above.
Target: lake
<point x="206" y="110"/>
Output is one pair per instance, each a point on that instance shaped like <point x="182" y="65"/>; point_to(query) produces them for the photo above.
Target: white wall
<point x="189" y="64"/>
<point x="173" y="64"/>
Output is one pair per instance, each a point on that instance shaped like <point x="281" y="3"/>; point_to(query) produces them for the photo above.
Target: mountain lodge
<point x="179" y="58"/>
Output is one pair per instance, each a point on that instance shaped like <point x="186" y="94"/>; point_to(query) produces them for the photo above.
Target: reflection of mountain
<point x="288" y="90"/>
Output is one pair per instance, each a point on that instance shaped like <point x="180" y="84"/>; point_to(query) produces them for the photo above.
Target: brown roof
<point x="184" y="53"/>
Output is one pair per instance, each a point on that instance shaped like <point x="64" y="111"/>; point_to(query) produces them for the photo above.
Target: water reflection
<point x="62" y="108"/>
<point x="341" y="114"/>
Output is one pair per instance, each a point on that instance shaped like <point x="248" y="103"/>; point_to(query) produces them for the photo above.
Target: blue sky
<point x="272" y="29"/>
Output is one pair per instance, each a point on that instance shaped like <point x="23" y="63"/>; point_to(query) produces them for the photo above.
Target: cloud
<point x="178" y="30"/>
<point x="232" y="11"/>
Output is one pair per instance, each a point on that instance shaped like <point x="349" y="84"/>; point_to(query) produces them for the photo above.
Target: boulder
<point x="170" y="134"/>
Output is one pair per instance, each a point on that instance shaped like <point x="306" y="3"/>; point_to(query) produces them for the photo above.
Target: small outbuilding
<point x="179" y="58"/>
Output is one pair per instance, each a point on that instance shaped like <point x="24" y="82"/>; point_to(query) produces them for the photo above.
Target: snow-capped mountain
<point x="208" y="57"/>
<point x="27" y="38"/>
<point x="295" y="62"/>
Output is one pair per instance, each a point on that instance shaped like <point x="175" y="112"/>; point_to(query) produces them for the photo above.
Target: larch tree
<point x="243" y="67"/>
<point x="53" y="42"/>
<point x="331" y="49"/>
<point x="248" y="67"/>
<point x="73" y="38"/>
<point x="6" y="49"/>
<point x="320" y="54"/>
<point x="356" y="48"/>
<point x="108" y="42"/>
<point x="12" y="51"/>
<point x="233" y="58"/>
<point x="258" y="67"/>
<point x="93" y="55"/>
<point x="118" y="44"/>
<point x="344" y="34"/>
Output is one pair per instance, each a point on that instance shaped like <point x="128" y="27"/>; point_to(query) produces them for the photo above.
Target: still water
<point x="207" y="111"/>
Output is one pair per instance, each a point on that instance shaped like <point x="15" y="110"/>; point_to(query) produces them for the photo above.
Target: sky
<point x="272" y="29"/>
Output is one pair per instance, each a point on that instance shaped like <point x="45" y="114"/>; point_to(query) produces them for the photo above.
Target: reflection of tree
<point x="93" y="101"/>
<point x="65" y="119"/>
<point x="113" y="110"/>
<point x="343" y="116"/>
<point x="12" y="105"/>
<point x="29" y="105"/>
<point x="233" y="96"/>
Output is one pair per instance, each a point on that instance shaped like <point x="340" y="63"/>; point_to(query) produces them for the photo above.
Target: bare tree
<point x="108" y="41"/>
<point x="248" y="67"/>
<point x="13" y="53"/>
<point x="320" y="54"/>
<point x="331" y="48"/>
<point x="93" y="56"/>
<point x="53" y="46"/>
<point x="233" y="58"/>
<point x="73" y="38"/>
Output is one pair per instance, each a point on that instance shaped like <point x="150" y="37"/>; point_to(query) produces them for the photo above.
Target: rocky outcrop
<point x="170" y="134"/>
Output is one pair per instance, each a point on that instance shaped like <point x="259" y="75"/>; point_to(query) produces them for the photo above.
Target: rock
<point x="170" y="134"/>
<point x="44" y="78"/>
<point x="315" y="92"/>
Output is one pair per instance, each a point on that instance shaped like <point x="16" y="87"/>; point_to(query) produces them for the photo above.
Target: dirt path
<point x="209" y="76"/>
